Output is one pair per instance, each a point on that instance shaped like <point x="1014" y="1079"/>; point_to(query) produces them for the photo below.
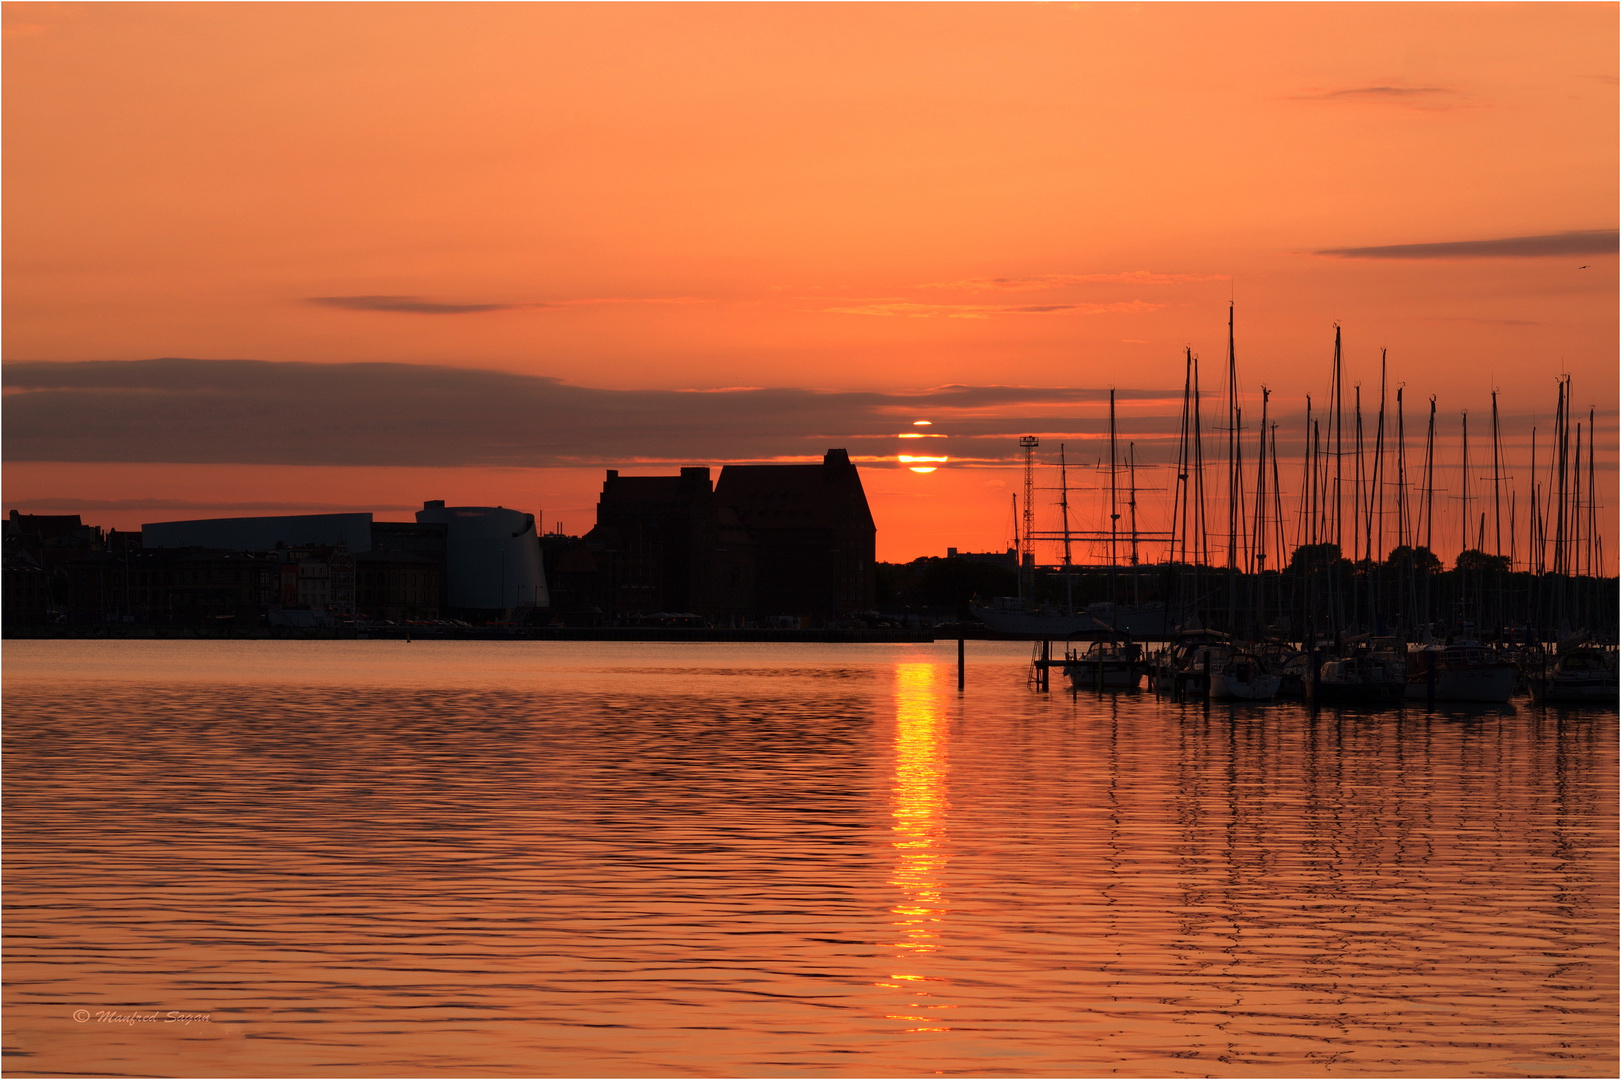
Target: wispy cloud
<point x="1425" y="98"/>
<point x="416" y="305"/>
<point x="1059" y="281"/>
<point x="1581" y="242"/>
<point x="912" y="310"/>
<point x="53" y="504"/>
<point x="413" y="305"/>
<point x="1481" y="322"/>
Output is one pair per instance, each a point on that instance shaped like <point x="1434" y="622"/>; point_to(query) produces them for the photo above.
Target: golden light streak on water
<point x="919" y="804"/>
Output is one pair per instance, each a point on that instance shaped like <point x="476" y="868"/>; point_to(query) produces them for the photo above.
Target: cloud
<point x="909" y="309"/>
<point x="414" y="305"/>
<point x="1059" y="281"/>
<point x="1581" y="242"/>
<point x="53" y="505"/>
<point x="1481" y="322"/>
<point x="297" y="413"/>
<point x="1426" y="98"/>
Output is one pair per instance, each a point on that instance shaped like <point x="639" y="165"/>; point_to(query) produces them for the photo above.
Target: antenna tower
<point x="1028" y="444"/>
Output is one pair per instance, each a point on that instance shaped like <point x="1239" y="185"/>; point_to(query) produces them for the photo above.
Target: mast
<point x="1376" y="543"/>
<point x="1063" y="506"/>
<point x="1028" y="444"/>
<point x="1258" y="544"/>
<point x="1403" y="525"/>
<point x="1277" y="518"/>
<point x="1131" y="506"/>
<point x="1114" y="509"/>
<point x="1337" y="436"/>
<point x="1308" y="504"/>
<point x="1561" y="443"/>
<point x="1359" y="493"/>
<point x="1179" y="490"/>
<point x="1232" y="468"/>
<point x="1358" y="513"/>
<point x="1429" y="507"/>
<point x="1497" y="477"/>
<point x="1594" y="541"/>
<point x="1576" y="507"/>
<point x="1466" y="521"/>
<point x="1203" y="558"/>
<point x="1063" y="498"/>
<point x="1533" y="539"/>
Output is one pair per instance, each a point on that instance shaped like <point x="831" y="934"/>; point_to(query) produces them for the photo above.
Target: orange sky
<point x="855" y="198"/>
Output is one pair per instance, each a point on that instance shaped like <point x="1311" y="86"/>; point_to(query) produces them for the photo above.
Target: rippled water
<point x="399" y="859"/>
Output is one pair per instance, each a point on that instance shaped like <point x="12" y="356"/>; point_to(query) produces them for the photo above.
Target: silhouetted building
<point x="178" y="586"/>
<point x="492" y="558"/>
<point x="574" y="581"/>
<point x="397" y="585"/>
<point x="813" y="535"/>
<point x="27" y="590"/>
<point x="353" y="531"/>
<point x="665" y="546"/>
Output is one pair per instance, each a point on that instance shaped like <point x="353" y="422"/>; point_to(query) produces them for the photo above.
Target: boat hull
<point x="1574" y="690"/>
<point x="1490" y="684"/>
<point x="1107" y="675"/>
<point x="1255" y="688"/>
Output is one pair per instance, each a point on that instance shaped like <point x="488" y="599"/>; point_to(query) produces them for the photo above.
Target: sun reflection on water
<point x="918" y="806"/>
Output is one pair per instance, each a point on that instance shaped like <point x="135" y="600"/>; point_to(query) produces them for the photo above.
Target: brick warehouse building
<point x="765" y="541"/>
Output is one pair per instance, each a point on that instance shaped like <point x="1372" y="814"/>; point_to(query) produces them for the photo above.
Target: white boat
<point x="1242" y="677"/>
<point x="1106" y="665"/>
<point x="1581" y="674"/>
<point x="1184" y="668"/>
<point x="1463" y="672"/>
<point x="1362" y="678"/>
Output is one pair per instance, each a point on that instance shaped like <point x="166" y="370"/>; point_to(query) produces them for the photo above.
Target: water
<point x="409" y="859"/>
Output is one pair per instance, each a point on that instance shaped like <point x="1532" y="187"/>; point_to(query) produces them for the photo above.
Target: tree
<point x="1474" y="561"/>
<point x="1420" y="559"/>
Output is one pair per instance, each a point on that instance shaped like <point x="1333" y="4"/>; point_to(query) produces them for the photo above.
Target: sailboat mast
<point x="1258" y="542"/>
<point x="1497" y="480"/>
<point x="1063" y="498"/>
<point x="1376" y="544"/>
<point x="1429" y="507"/>
<point x="1232" y="450"/>
<point x="1131" y="506"/>
<point x="1114" y="509"/>
<point x="1063" y="505"/>
<point x="1466" y="521"/>
<point x="1337" y="436"/>
<point x="1594" y="567"/>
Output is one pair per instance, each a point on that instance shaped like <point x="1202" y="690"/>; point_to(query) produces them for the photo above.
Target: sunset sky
<point x="284" y="258"/>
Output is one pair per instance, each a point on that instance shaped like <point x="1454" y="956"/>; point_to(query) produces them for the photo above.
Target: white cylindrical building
<point x="492" y="556"/>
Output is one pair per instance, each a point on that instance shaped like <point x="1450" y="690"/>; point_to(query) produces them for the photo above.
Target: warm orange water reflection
<point x="382" y="859"/>
<point x="920" y="804"/>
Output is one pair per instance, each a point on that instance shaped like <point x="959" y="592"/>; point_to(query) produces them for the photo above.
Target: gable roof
<point x="824" y="496"/>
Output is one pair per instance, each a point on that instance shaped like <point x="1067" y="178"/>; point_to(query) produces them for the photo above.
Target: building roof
<point x="828" y="495"/>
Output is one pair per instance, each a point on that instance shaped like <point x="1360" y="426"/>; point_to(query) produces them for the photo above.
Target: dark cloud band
<point x="295" y="413"/>
<point x="411" y="305"/>
<point x="1583" y="242"/>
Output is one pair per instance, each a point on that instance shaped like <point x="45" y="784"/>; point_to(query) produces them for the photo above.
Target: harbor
<point x="600" y="858"/>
